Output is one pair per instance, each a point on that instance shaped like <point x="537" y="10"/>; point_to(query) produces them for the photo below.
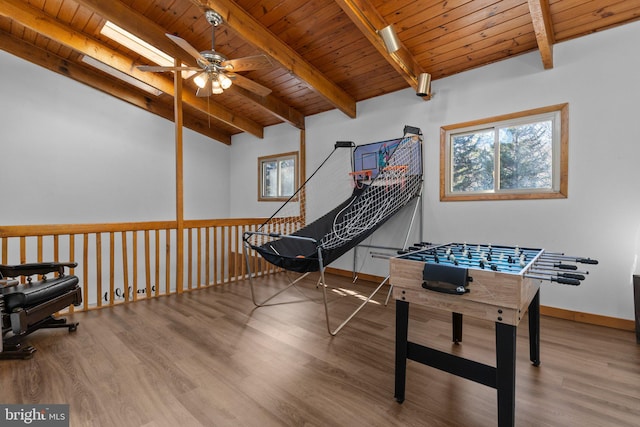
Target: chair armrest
<point x="7" y="283"/>
<point x="35" y="268"/>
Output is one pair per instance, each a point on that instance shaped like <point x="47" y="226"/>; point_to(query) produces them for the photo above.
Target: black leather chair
<point x="29" y="306"/>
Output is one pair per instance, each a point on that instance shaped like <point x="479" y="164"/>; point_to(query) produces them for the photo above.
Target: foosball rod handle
<point x="559" y="274"/>
<point x="561" y="280"/>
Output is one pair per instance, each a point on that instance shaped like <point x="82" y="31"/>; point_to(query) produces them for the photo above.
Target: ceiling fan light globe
<point x="216" y="90"/>
<point x="225" y="82"/>
<point x="201" y="80"/>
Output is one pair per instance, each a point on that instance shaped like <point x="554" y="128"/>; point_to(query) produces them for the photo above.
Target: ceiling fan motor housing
<point x="213" y="17"/>
<point x="215" y="60"/>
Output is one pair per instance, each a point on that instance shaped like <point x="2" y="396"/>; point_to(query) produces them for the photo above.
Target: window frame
<point x="560" y="158"/>
<point x="278" y="157"/>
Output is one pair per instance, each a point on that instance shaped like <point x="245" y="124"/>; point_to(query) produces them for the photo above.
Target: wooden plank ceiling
<point x="326" y="54"/>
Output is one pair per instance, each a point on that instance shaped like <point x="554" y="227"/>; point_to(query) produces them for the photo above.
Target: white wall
<point x="598" y="77"/>
<point x="71" y="154"/>
<point x="243" y="179"/>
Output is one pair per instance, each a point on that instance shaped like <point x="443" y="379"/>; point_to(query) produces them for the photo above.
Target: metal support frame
<point x="321" y="282"/>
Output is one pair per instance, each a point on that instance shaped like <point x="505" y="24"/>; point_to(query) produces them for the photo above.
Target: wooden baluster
<point x="167" y="277"/>
<point x="199" y="263"/>
<point x="228" y="254"/>
<point x="190" y="258"/>
<point x="111" y="269"/>
<point x="215" y="255"/>
<point x="134" y="246"/>
<point x="56" y="248"/>
<point x="72" y="258"/>
<point x="234" y="251"/>
<point x="5" y="249"/>
<point x="147" y="265"/>
<point x="207" y="254"/>
<point x="85" y="270"/>
<point x="99" y="268"/>
<point x="157" y="250"/>
<point x="125" y="268"/>
<point x="223" y="258"/>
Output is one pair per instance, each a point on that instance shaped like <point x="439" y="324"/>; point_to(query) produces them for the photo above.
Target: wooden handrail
<point x="62" y="229"/>
<point x="125" y="262"/>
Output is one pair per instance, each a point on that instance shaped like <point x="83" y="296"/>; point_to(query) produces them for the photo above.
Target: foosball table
<point x="496" y="283"/>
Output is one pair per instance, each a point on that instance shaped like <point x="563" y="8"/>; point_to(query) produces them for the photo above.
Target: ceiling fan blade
<point x="187" y="48"/>
<point x="248" y="63"/>
<point x="250" y="85"/>
<point x="158" y="68"/>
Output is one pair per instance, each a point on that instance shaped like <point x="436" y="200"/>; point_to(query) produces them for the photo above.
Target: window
<point x="277" y="176"/>
<point x="515" y="156"/>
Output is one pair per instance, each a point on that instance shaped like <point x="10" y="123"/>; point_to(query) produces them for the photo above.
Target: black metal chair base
<point x="17" y="351"/>
<point x="12" y="348"/>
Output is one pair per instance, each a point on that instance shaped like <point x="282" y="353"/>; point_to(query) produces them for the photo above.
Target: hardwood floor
<point x="210" y="358"/>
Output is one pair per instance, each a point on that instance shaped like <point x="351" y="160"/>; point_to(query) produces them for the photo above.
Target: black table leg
<point x="534" y="329"/>
<point x="506" y="373"/>
<point x="402" y="326"/>
<point x="456" y="322"/>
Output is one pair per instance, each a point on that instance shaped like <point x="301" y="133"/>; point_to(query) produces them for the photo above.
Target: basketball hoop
<point x="358" y="176"/>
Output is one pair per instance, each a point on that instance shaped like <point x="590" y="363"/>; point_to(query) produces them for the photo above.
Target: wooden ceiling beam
<point x="106" y="84"/>
<point x="42" y="23"/>
<point x="542" y="25"/>
<point x="136" y="23"/>
<point x="273" y="105"/>
<point x="369" y="21"/>
<point x="251" y="30"/>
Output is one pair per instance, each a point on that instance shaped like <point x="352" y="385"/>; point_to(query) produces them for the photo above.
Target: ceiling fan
<point x="217" y="73"/>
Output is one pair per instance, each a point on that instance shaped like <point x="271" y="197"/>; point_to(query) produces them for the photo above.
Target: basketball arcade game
<point x="388" y="178"/>
<point x="496" y="283"/>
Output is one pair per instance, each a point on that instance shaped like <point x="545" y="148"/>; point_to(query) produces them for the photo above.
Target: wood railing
<point x="122" y="262"/>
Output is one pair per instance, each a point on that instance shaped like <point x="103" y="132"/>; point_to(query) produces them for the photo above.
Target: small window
<point x="277" y="176"/>
<point x="516" y="156"/>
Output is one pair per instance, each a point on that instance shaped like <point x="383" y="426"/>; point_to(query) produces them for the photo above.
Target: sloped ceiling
<point x="325" y="54"/>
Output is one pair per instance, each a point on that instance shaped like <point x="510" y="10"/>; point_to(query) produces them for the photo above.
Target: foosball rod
<point x="470" y="254"/>
<point x="547" y="270"/>
<point x="463" y="261"/>
<point x="462" y="246"/>
<point x="437" y="259"/>
<point x="467" y="253"/>
<point x="580" y="260"/>
<point x="562" y="280"/>
<point x="506" y="250"/>
<point x="516" y="262"/>
<point x="558" y="274"/>
<point x="555" y="265"/>
<point x="546" y="259"/>
<point x="490" y="252"/>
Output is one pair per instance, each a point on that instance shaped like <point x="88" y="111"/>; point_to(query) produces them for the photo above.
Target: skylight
<point x="136" y="44"/>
